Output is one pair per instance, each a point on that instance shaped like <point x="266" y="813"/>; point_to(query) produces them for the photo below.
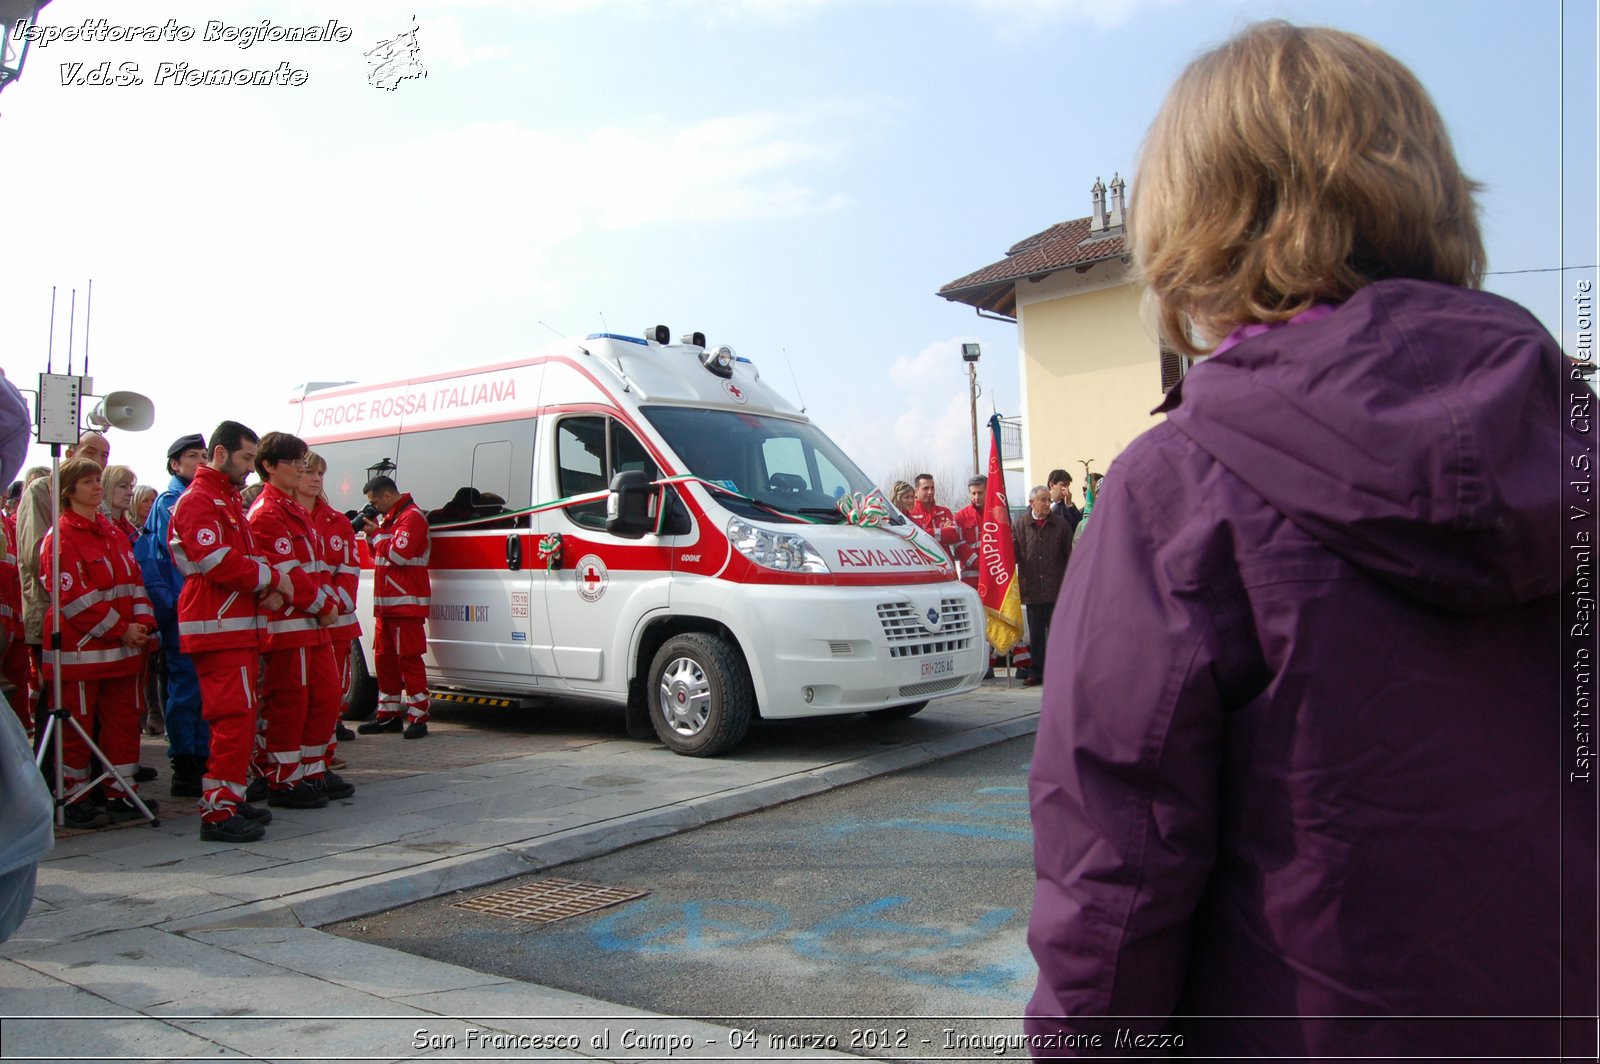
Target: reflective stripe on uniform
<point x="212" y="560"/>
<point x="421" y="559"/>
<point x="225" y="624"/>
<point x="399" y="600"/>
<point x="83" y="602"/>
<point x="98" y="657"/>
<point x="108" y="622"/>
<point x="292" y="624"/>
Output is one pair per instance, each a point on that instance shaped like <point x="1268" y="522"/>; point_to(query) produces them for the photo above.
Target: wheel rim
<point x="685" y="697"/>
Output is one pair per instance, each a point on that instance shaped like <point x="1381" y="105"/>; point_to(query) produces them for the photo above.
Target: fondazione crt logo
<point x="390" y="61"/>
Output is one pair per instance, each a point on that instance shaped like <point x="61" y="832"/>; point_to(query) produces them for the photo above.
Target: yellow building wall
<point x="1091" y="373"/>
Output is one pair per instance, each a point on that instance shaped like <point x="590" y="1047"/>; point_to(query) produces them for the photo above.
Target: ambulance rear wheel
<point x="362" y="699"/>
<point x="701" y="698"/>
<point x="910" y="709"/>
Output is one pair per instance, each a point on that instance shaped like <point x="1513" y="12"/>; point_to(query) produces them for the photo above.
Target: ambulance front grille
<point x="908" y="637"/>
<point x="932" y="687"/>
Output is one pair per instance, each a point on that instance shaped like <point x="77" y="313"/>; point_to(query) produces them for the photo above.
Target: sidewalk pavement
<point x="146" y="942"/>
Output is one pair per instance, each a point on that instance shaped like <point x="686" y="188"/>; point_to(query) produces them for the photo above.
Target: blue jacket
<point x="162" y="581"/>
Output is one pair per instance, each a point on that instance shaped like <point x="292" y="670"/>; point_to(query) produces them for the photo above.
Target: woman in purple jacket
<point x="1306" y="782"/>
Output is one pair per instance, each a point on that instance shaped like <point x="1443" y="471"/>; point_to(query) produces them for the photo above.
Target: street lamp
<point x="382" y="469"/>
<point x="970" y="354"/>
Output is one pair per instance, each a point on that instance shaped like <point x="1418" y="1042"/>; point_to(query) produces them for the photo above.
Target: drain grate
<point x="549" y="900"/>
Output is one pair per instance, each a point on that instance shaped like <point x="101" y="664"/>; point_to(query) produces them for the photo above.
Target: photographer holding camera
<point x="399" y="545"/>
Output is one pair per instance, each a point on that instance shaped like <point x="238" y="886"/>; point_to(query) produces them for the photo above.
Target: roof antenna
<point x="88" y="314"/>
<point x="603" y="326"/>
<point x="72" y="320"/>
<point x="49" y="352"/>
<point x="560" y="334"/>
<point x="794" y="379"/>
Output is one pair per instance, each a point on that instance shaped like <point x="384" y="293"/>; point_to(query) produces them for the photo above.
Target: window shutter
<point x="1173" y="366"/>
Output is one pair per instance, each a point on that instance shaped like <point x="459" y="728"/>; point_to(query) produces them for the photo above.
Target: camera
<point x="360" y="517"/>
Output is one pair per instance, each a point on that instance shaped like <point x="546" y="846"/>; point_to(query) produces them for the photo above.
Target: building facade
<point x="1092" y="367"/>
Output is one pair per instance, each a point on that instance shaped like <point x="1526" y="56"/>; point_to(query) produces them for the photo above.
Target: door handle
<point x="514" y="553"/>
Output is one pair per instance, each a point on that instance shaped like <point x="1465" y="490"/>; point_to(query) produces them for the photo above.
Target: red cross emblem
<point x="592" y="578"/>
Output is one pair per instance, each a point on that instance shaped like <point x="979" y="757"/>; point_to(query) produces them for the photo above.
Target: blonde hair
<point x="1288" y="167"/>
<point x="140" y="494"/>
<point x="114" y="477"/>
<point x="900" y="490"/>
<point x="313" y="459"/>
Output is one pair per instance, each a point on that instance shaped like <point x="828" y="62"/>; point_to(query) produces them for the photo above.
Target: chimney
<point x="1119" y="215"/>
<point x="1097" y="220"/>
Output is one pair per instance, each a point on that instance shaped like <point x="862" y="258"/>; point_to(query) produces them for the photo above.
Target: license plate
<point x="938" y="666"/>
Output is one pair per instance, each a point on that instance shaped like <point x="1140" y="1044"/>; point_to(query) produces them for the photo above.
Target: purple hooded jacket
<point x="1305" y="749"/>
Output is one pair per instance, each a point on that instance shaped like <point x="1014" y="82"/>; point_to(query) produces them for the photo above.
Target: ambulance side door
<point x="605" y="582"/>
<point x="483" y="629"/>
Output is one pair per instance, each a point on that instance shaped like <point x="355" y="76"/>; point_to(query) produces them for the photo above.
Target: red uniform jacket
<point x="213" y="549"/>
<point x="102" y="592"/>
<point x="283" y="529"/>
<point x="937" y="521"/>
<point x="11" y="587"/>
<point x="342" y="565"/>
<point x="400" y="559"/>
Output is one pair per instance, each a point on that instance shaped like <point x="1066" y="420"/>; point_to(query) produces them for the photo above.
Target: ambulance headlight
<point x="783" y="551"/>
<point x="719" y="361"/>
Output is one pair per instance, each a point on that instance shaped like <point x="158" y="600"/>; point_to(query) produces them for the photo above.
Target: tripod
<point x="58" y="713"/>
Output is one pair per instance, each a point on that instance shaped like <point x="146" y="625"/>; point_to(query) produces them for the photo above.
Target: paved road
<point x="905" y="896"/>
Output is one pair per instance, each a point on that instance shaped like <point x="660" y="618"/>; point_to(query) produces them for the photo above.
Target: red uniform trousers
<point x="106" y="708"/>
<point x="397" y="649"/>
<point x="228" y="704"/>
<point x="17" y="667"/>
<point x="341" y="662"/>
<point x="300" y="703"/>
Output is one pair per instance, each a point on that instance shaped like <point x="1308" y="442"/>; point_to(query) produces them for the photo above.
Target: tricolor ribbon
<point x="550" y="550"/>
<point x="868" y="511"/>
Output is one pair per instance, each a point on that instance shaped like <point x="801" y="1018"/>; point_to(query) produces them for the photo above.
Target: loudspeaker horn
<point x="128" y="411"/>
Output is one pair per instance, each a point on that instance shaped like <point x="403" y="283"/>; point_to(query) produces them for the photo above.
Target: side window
<point x="589" y="452"/>
<point x="581" y="465"/>
<point x="628" y="453"/>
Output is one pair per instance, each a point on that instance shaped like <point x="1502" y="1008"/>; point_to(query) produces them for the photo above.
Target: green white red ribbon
<point x="868" y="511"/>
<point x="550" y="550"/>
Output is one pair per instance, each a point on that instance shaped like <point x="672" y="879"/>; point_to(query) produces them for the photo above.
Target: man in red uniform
<point x="222" y="624"/>
<point x="300" y="699"/>
<point x="969" y="520"/>
<point x="929" y="516"/>
<point x="400" y="593"/>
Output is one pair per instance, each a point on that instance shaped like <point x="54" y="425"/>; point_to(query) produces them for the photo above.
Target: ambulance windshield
<point x="785" y="465"/>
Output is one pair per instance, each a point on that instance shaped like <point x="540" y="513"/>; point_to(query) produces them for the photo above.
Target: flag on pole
<point x="997" y="558"/>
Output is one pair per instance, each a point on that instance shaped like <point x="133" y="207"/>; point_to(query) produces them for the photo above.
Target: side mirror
<point x="628" y="506"/>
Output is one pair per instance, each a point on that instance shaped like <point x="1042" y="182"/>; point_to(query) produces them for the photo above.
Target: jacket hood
<point x="1417" y="431"/>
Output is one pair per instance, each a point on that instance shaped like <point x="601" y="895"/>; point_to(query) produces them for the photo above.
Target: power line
<point x="1547" y="269"/>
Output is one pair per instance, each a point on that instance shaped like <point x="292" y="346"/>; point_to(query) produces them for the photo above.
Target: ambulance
<point x="649" y="524"/>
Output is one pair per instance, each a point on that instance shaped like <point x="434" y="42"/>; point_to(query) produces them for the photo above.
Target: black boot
<point x="187" y="772"/>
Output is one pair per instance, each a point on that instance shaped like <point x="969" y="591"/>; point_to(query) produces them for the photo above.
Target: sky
<point x="794" y="178"/>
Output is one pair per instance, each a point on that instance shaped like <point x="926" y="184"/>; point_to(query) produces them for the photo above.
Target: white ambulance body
<point x="703" y="573"/>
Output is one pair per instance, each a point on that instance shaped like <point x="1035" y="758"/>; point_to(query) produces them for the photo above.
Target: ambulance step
<point x="464" y="698"/>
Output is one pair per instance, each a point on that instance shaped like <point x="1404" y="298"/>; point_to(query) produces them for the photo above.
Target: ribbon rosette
<point x="868" y="511"/>
<point x="550" y="550"/>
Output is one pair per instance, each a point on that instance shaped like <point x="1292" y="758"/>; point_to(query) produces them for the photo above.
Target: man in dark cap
<point x="188" y="737"/>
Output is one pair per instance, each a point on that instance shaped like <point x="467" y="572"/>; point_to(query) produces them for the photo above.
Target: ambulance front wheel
<point x="701" y="698"/>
